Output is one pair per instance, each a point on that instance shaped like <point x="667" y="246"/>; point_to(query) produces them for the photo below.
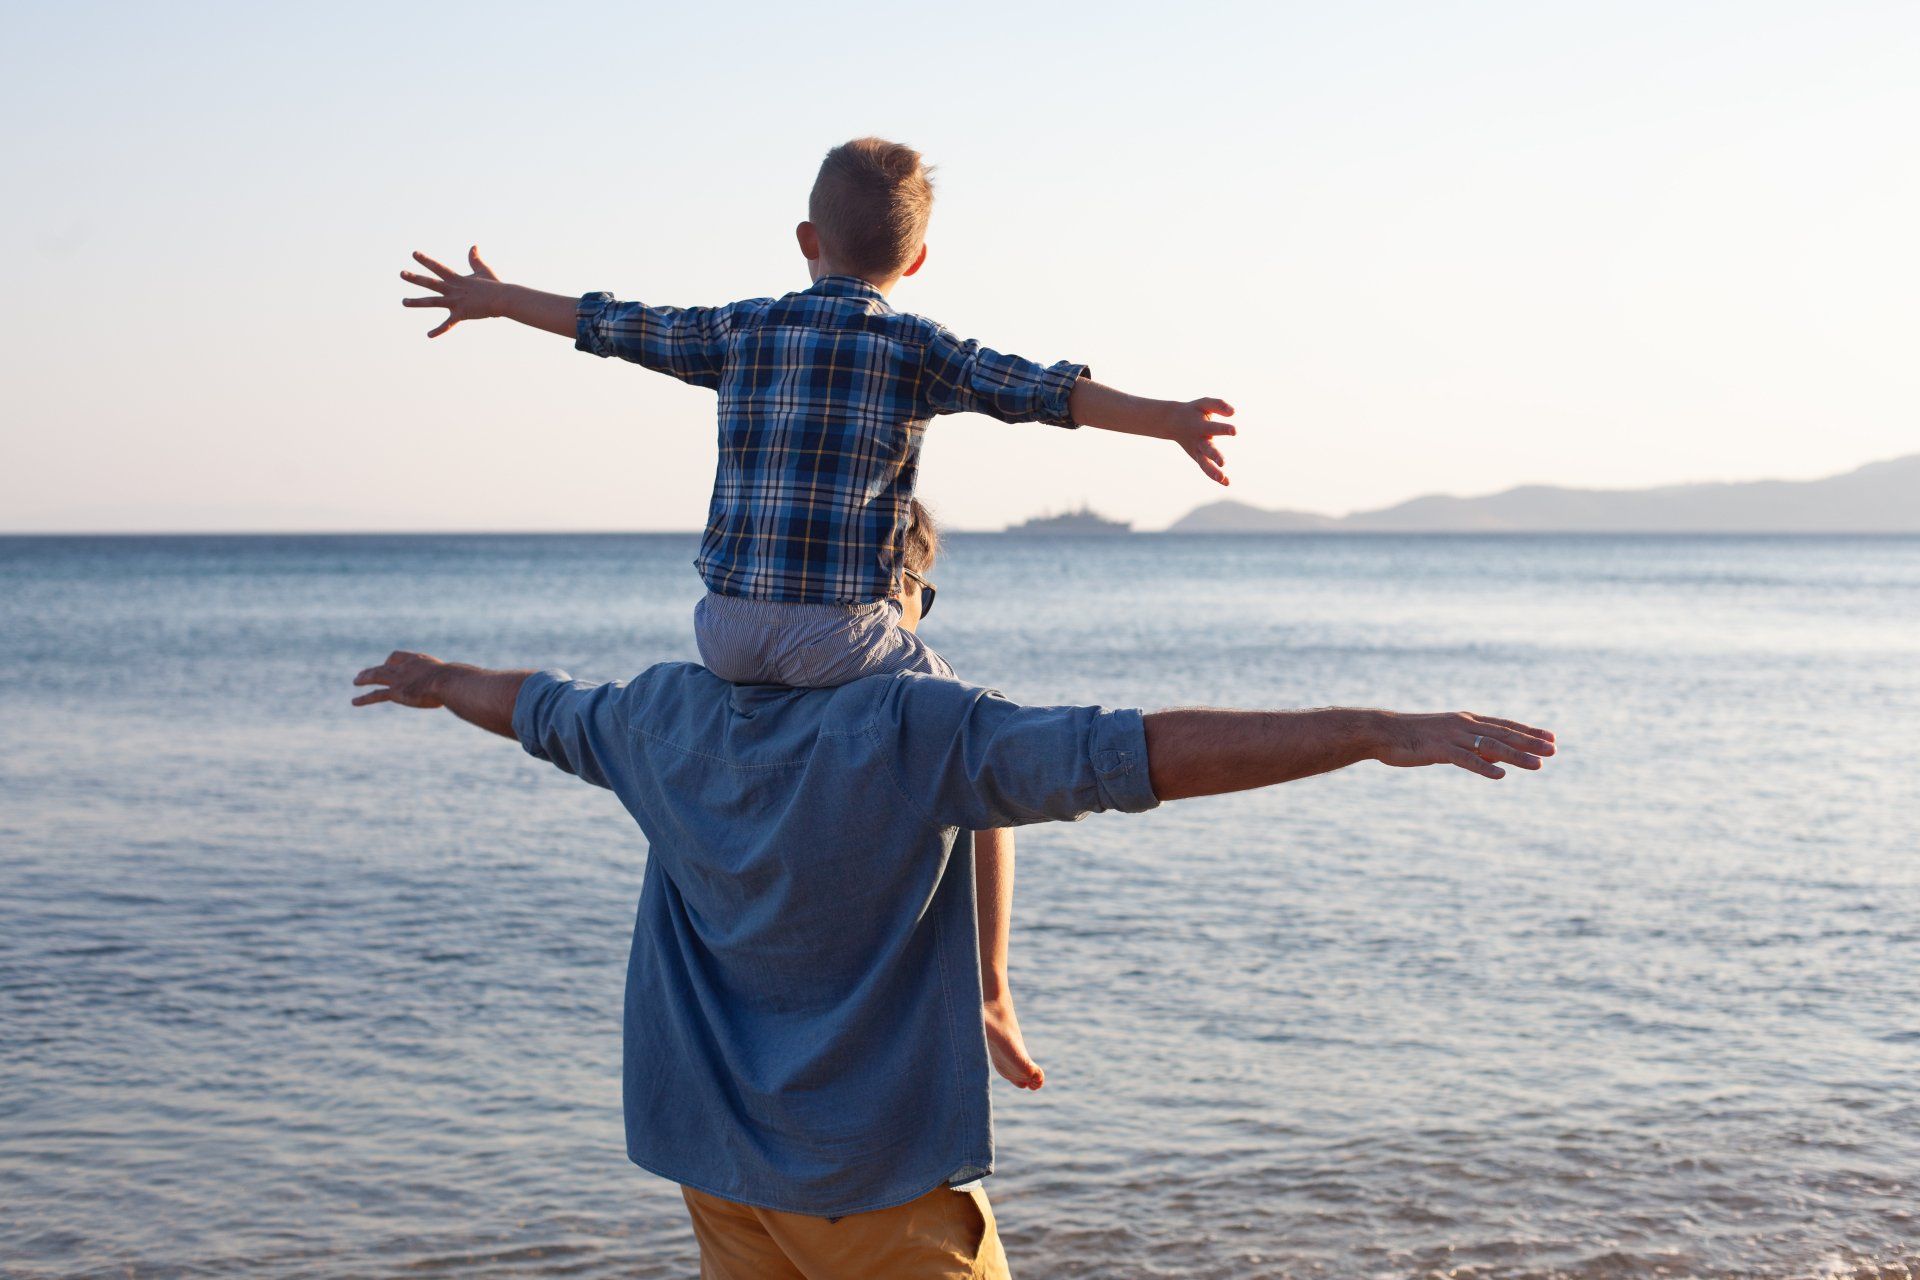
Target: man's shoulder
<point x="916" y="701"/>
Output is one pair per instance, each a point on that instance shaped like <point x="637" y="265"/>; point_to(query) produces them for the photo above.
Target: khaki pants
<point x="946" y="1234"/>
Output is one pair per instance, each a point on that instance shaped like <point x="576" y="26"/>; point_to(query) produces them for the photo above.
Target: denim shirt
<point x="802" y="1023"/>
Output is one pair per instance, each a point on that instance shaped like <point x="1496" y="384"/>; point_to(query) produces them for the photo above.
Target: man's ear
<point x="919" y="259"/>
<point x="809" y="239"/>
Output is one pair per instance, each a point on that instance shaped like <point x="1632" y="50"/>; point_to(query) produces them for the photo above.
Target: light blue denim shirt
<point x="803" y="996"/>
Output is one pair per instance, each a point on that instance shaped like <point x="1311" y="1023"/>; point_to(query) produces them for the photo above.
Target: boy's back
<point x="825" y="396"/>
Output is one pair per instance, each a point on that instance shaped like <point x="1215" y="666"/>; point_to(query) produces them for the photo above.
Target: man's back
<point x="802" y="1026"/>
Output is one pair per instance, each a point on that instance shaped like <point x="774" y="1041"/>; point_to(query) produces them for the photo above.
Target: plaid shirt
<point x="825" y="397"/>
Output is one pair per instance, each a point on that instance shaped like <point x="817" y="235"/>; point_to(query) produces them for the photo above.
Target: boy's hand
<point x="1192" y="427"/>
<point x="471" y="297"/>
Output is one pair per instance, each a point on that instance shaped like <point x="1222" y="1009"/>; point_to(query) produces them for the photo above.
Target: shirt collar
<point x="847" y="287"/>
<point x="750" y="699"/>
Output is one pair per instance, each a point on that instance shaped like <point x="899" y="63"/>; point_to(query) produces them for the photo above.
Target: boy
<point x="824" y="399"/>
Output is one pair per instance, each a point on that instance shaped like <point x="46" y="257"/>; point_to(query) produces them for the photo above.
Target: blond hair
<point x="870" y="205"/>
<point x="921" y="543"/>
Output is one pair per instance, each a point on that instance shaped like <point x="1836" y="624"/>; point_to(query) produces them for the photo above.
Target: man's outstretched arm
<point x="1208" y="752"/>
<point x="970" y="758"/>
<point x="475" y="694"/>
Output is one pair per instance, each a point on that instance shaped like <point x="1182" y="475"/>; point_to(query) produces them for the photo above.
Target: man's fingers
<point x="1473" y="763"/>
<point x="425" y="282"/>
<point x="1492" y="748"/>
<point x="1513" y="724"/>
<point x="1545" y="735"/>
<point x="1523" y="741"/>
<point x="443" y="272"/>
<point x="374" y="675"/>
<point x="378" y="695"/>
<point x="426" y="302"/>
<point x="442" y="327"/>
<point x="479" y="268"/>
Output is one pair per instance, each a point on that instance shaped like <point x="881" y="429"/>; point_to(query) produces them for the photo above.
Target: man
<point x="803" y="1045"/>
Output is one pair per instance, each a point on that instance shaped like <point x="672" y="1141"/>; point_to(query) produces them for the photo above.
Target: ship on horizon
<point x="1085" y="520"/>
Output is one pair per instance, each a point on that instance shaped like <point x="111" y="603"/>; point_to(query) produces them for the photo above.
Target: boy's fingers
<point x="425" y="282"/>
<point x="479" y="268"/>
<point x="1216" y="406"/>
<point x="425" y="302"/>
<point x="442" y="328"/>
<point x="433" y="266"/>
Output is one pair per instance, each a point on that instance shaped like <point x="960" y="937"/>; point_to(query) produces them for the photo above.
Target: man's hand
<point x="475" y="694"/>
<point x="1191" y="426"/>
<point x="479" y="296"/>
<point x="1478" y="744"/>
<point x="411" y="679"/>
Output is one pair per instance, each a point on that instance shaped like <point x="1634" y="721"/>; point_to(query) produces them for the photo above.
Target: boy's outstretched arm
<point x="965" y="377"/>
<point x="1188" y="423"/>
<point x="484" y="295"/>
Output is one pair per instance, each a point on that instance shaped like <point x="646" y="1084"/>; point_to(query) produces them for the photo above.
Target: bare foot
<point x="1006" y="1048"/>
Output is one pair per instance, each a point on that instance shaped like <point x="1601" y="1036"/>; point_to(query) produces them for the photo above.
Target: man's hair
<point x="922" y="541"/>
<point x="870" y="205"/>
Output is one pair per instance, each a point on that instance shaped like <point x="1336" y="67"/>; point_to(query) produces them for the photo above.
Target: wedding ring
<point x="1477" y="740"/>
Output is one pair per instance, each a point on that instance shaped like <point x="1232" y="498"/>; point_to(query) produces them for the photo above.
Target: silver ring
<point x="1477" y="740"/>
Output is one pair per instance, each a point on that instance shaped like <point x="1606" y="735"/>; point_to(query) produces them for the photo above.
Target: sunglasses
<point x="927" y="592"/>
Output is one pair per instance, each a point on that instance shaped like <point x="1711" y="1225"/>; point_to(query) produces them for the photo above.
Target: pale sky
<point x="1420" y="246"/>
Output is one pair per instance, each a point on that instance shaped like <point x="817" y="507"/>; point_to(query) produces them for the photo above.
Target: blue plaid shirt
<point x="825" y="397"/>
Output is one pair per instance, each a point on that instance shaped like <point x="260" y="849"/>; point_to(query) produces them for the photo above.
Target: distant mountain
<point x="1882" y="497"/>
<point x="1085" y="520"/>
<point x="1241" y="517"/>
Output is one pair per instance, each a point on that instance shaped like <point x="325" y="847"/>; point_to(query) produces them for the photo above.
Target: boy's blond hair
<point x="870" y="205"/>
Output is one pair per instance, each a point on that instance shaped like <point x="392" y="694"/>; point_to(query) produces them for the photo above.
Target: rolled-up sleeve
<point x="689" y="343"/>
<point x="569" y="723"/>
<point x="967" y="757"/>
<point x="964" y="377"/>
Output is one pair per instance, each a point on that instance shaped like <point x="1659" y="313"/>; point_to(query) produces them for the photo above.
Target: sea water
<point x="289" y="988"/>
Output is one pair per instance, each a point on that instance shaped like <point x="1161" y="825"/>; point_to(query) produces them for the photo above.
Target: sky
<point x="1421" y="247"/>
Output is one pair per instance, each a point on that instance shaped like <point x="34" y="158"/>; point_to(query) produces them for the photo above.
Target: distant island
<point x="1882" y="497"/>
<point x="1082" y="521"/>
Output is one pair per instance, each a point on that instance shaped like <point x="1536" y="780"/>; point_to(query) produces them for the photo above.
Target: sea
<point x="290" y="988"/>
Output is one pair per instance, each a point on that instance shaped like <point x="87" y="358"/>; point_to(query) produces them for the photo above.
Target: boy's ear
<point x="919" y="259"/>
<point x="809" y="241"/>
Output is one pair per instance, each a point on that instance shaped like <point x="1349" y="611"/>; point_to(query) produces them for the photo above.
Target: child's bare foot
<point x="1006" y="1048"/>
